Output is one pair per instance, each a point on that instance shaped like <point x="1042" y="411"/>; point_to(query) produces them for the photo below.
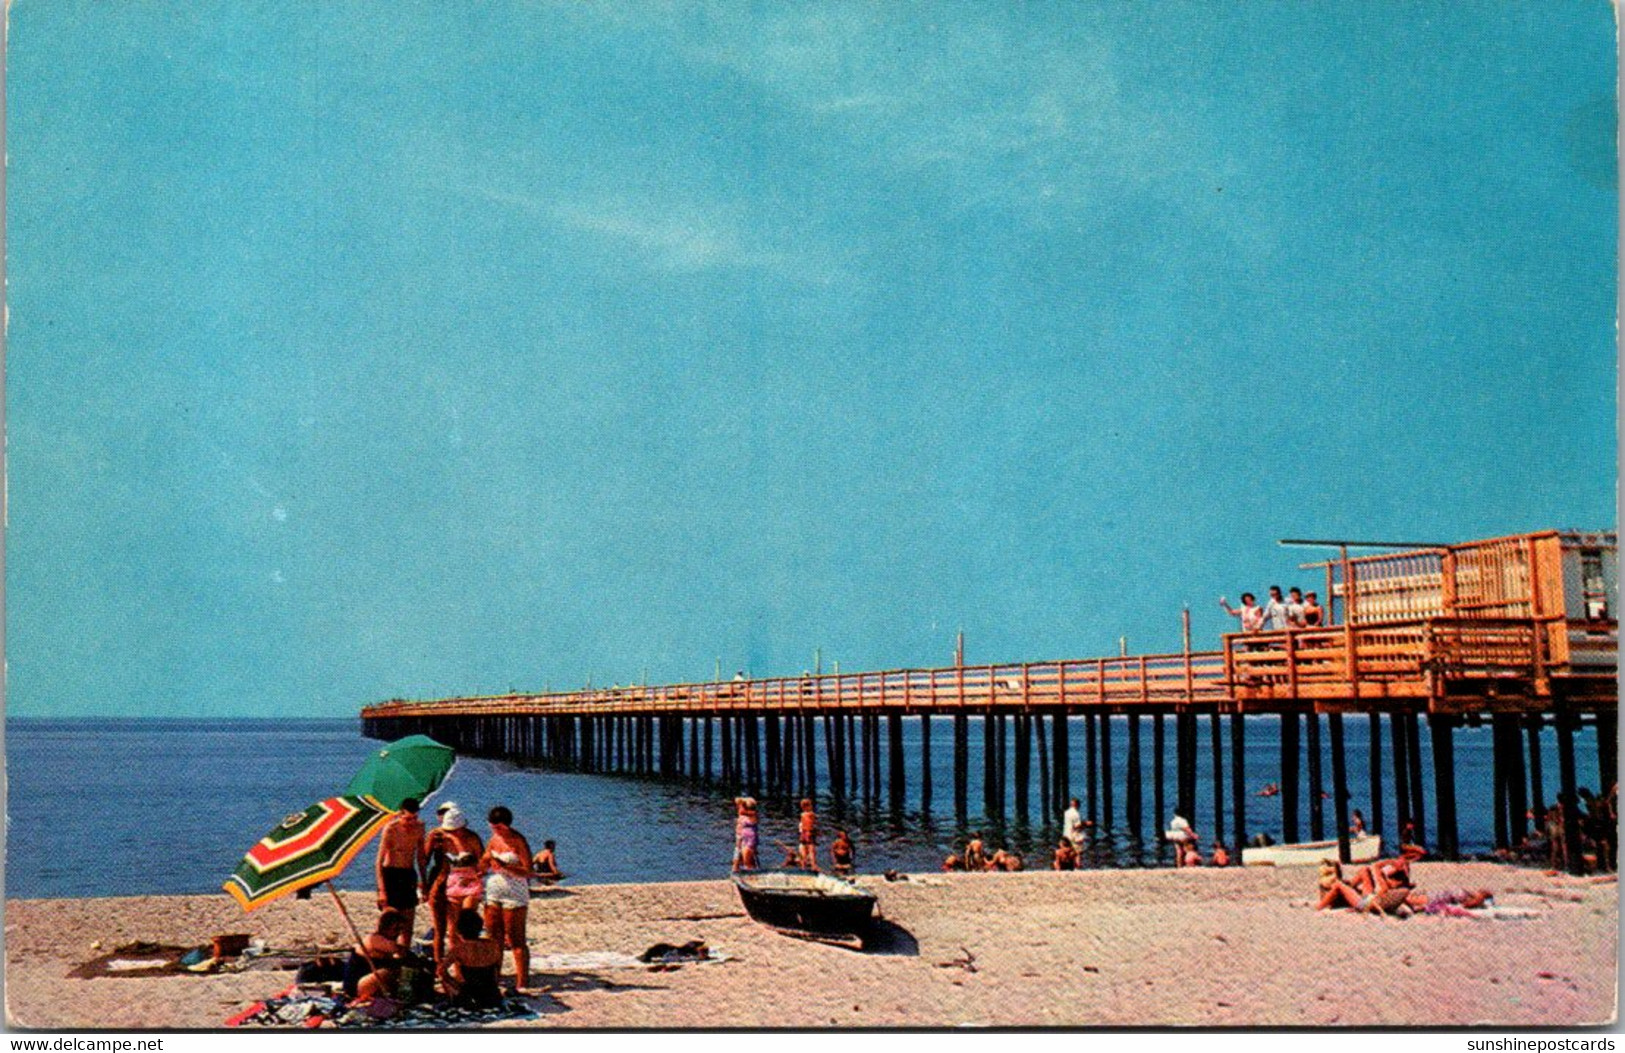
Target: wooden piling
<point x="1216" y="736"/>
<point x="1568" y="791"/>
<point x="1374" y="768"/>
<point x="1091" y="771"/>
<point x="1441" y="732"/>
<point x="894" y="743"/>
<point x="1402" y="778"/>
<point x="1061" y="768"/>
<point x="1317" y="787"/>
<point x="1238" y="781"/>
<point x="1159" y="803"/>
<point x="925" y="763"/>
<point x="1045" y="781"/>
<point x="1132" y="803"/>
<point x="961" y="762"/>
<point x="1340" y="785"/>
<point x="1413" y="753"/>
<point x="1024" y="761"/>
<point x="1289" y="778"/>
<point x="1537" y="787"/>
<point x="1107" y="816"/>
<point x="990" y="763"/>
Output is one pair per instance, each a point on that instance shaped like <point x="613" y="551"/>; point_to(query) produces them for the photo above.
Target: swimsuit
<point x="463" y="880"/>
<point x="503" y="889"/>
<point x="400" y="887"/>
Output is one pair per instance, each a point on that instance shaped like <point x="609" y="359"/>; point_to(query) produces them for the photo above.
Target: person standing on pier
<point x="1294" y="609"/>
<point x="1251" y="614"/>
<point x="1275" y="618"/>
<point x="1313" y="614"/>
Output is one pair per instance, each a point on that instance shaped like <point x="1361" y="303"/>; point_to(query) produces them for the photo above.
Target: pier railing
<point x="1420" y="659"/>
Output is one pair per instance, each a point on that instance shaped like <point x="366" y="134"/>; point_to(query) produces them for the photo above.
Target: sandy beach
<point x="1096" y="948"/>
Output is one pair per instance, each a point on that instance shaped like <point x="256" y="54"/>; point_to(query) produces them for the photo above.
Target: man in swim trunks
<point x="397" y="869"/>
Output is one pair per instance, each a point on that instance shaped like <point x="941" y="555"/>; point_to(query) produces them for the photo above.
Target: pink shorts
<point x="464" y="882"/>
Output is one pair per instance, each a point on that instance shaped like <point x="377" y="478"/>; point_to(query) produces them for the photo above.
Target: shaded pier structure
<point x="1517" y="633"/>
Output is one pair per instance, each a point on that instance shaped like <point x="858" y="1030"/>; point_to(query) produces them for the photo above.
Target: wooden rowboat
<point x="1362" y="849"/>
<point x="803" y="903"/>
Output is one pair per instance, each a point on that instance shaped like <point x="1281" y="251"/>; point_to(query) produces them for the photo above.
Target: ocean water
<point x="108" y="808"/>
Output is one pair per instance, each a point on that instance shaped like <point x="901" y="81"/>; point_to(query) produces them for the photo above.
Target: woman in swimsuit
<point x="456" y="884"/>
<point x="745" y="834"/>
<point x="472" y="966"/>
<point x="507" y="890"/>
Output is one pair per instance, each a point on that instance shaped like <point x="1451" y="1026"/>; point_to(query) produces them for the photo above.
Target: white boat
<point x="1362" y="849"/>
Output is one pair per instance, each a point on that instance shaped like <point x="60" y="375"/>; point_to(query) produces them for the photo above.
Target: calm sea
<point x="106" y="808"/>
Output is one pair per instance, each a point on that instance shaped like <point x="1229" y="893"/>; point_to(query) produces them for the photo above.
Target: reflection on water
<point x="102" y="808"/>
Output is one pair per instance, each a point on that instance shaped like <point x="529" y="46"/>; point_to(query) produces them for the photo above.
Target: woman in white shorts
<point x="507" y="890"/>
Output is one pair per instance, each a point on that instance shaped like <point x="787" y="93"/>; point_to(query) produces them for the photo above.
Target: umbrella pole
<point x="361" y="945"/>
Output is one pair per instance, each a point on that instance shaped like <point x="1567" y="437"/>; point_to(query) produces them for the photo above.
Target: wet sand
<point x="1095" y="948"/>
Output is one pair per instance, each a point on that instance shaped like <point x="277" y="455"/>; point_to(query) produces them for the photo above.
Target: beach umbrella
<point x="305" y="849"/>
<point x="411" y="767"/>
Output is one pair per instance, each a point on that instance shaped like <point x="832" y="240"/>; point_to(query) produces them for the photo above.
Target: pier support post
<point x="1132" y="803"/>
<point x="1289" y="777"/>
<point x="1413" y="750"/>
<point x="1091" y="770"/>
<point x="894" y="744"/>
<point x="961" y="762"/>
<point x="990" y="764"/>
<point x="1238" y="781"/>
<point x="1402" y="778"/>
<point x="1441" y="731"/>
<point x="809" y="738"/>
<point x="1159" y="803"/>
<point x="1107" y="815"/>
<point x="831" y="757"/>
<point x="1607" y="728"/>
<point x="1340" y="786"/>
<point x="837" y="768"/>
<point x="1185" y="765"/>
<point x="1216" y="736"/>
<point x="1024" y="762"/>
<point x="1516" y="785"/>
<point x="1317" y="786"/>
<point x="771" y="747"/>
<point x="1061" y="768"/>
<point x="925" y="763"/>
<point x="1046" y="785"/>
<point x="1568" y="792"/>
<point x="1374" y="768"/>
<point x="1537" y="787"/>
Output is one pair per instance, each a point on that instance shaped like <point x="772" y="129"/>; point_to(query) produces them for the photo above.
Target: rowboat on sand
<point x="1362" y="849"/>
<point x="803" y="903"/>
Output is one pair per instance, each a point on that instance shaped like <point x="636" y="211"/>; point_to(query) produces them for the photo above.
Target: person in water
<point x="546" y="863"/>
<point x="399" y="844"/>
<point x="472" y="966"/>
<point x="809" y="835"/>
<point x="1357" y="824"/>
<point x="975" y="854"/>
<point x="506" y="864"/>
<point x="841" y="854"/>
<point x="745" y="833"/>
<point x="1066" y="856"/>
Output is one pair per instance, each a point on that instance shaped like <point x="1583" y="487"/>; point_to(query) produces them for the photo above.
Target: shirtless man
<point x="546" y="863"/>
<point x="399" y="847"/>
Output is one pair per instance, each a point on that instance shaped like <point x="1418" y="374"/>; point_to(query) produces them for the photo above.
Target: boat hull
<point x="1362" y="849"/>
<point x="816" y="904"/>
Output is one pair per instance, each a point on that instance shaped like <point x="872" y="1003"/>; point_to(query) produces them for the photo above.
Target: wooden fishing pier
<point x="1518" y="632"/>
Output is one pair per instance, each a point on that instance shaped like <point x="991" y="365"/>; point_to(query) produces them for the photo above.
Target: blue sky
<point x="441" y="349"/>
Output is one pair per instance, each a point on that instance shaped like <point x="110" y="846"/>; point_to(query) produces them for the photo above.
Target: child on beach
<point x="745" y="833"/>
<point x="841" y="855"/>
<point x="809" y="835"/>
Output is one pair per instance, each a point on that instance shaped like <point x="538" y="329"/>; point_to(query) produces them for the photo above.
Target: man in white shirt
<point x="1072" y="826"/>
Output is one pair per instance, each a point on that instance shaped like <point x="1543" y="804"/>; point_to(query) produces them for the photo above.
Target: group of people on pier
<point x="1296" y="611"/>
<point x="478" y="894"/>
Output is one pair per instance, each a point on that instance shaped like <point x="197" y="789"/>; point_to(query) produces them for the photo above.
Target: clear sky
<point x="362" y="350"/>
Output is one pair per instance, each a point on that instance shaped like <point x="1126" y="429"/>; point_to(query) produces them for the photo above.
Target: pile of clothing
<point x="317" y="1005"/>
